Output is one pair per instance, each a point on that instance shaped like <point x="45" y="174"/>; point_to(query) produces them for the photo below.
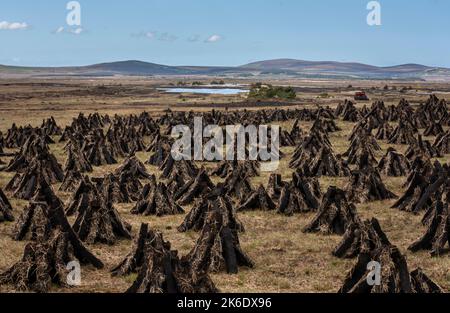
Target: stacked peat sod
<point x="366" y="186"/>
<point x="301" y="195"/>
<point x="34" y="164"/>
<point x="375" y="248"/>
<point x="436" y="239"/>
<point x="421" y="148"/>
<point x="424" y="184"/>
<point x="314" y="156"/>
<point x="124" y="184"/>
<point x="442" y="143"/>
<point x="160" y="270"/>
<point x="160" y="148"/>
<point x="257" y="200"/>
<point x="334" y="214"/>
<point x="53" y="245"/>
<point x="99" y="222"/>
<point x="5" y="208"/>
<point x="394" y="164"/>
<point x="156" y="199"/>
<point x="227" y="254"/>
<point x="362" y="149"/>
<point x="76" y="164"/>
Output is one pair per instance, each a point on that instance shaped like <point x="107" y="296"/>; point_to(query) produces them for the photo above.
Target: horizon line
<point x="218" y="66"/>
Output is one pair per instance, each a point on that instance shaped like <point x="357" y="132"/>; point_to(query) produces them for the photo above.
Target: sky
<point x="223" y="32"/>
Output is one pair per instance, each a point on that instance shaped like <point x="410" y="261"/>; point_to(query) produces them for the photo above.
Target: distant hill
<point x="279" y="67"/>
<point x="352" y="69"/>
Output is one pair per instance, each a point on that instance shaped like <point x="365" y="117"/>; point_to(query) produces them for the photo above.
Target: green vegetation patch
<point x="263" y="91"/>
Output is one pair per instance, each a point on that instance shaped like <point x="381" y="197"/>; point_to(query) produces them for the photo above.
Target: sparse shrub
<point x="260" y="91"/>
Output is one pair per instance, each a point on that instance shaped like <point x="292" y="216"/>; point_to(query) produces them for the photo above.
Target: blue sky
<point x="176" y="32"/>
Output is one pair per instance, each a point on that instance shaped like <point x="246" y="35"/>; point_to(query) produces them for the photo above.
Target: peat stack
<point x="296" y="131"/>
<point x="160" y="269"/>
<point x="275" y="186"/>
<point x="76" y="159"/>
<point x="434" y="129"/>
<point x="302" y="159"/>
<point x="437" y="235"/>
<point x="80" y="198"/>
<point x="395" y="276"/>
<point x="133" y="167"/>
<point x="45" y="215"/>
<point x="99" y="222"/>
<point x="155" y="199"/>
<point x="442" y="143"/>
<point x="194" y="188"/>
<point x="422" y="191"/>
<point x="38" y="213"/>
<point x="363" y="157"/>
<point x="44" y="263"/>
<point x="327" y="164"/>
<point x="170" y="167"/>
<point x="195" y="219"/>
<point x="301" y="195"/>
<point x="403" y="134"/>
<point x="35" y="150"/>
<point x="367" y="186"/>
<point x="5" y="208"/>
<point x="384" y="131"/>
<point x="335" y="214"/>
<point x="224" y="168"/>
<point x="24" y="185"/>
<point x="238" y="185"/>
<point x="394" y="164"/>
<point x="50" y="127"/>
<point x="136" y="258"/>
<point x="421" y="148"/>
<point x="423" y="284"/>
<point x="309" y="147"/>
<point x="328" y="125"/>
<point x="17" y="137"/>
<point x="258" y="200"/>
<point x="2" y="145"/>
<point x="362" y="137"/>
<point x="161" y="149"/>
<point x="97" y="151"/>
<point x="349" y="112"/>
<point x="125" y="188"/>
<point x="175" y="183"/>
<point x="219" y="244"/>
<point x="285" y="139"/>
<point x="124" y="139"/>
<point x="421" y="165"/>
<point x="71" y="180"/>
<point x="360" y="237"/>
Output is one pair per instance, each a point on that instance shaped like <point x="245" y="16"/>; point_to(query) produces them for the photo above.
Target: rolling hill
<point x="278" y="67"/>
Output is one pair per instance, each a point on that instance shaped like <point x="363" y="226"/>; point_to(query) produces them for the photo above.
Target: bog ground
<point x="286" y="259"/>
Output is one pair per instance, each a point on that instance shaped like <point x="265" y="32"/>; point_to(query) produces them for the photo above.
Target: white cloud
<point x="4" y="25"/>
<point x="73" y="31"/>
<point x="76" y="31"/>
<point x="167" y="37"/>
<point x="194" y="38"/>
<point x="161" y="36"/>
<point x="214" y="38"/>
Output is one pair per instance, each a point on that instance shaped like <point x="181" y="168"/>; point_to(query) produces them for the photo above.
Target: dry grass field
<point x="286" y="259"/>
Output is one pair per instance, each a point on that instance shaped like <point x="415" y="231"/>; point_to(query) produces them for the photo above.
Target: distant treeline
<point x="266" y="91"/>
